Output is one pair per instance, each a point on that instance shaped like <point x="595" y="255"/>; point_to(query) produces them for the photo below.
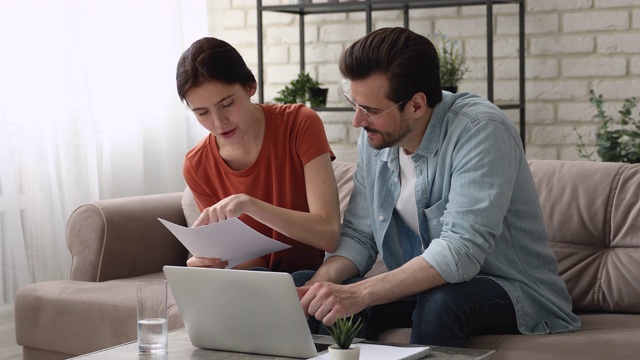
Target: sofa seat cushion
<point x="616" y="335"/>
<point x="77" y="317"/>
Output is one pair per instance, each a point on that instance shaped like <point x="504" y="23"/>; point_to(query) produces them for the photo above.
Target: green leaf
<point x="452" y="63"/>
<point x="617" y="140"/>
<point x="296" y="92"/>
<point x="343" y="331"/>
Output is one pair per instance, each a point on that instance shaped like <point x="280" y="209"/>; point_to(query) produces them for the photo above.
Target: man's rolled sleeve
<point x="440" y="256"/>
<point x="353" y="250"/>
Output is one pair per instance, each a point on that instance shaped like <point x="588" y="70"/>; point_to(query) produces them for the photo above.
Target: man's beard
<point x="391" y="138"/>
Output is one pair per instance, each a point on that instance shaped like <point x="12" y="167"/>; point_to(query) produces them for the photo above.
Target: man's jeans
<point x="442" y="316"/>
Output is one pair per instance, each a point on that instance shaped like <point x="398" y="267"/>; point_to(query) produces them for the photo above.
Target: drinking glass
<point x="152" y="316"/>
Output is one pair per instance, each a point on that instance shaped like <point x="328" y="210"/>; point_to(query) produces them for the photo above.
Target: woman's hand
<point x="227" y="208"/>
<point x="207" y="262"/>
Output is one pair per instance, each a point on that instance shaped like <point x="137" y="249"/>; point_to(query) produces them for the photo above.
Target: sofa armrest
<point x="121" y="238"/>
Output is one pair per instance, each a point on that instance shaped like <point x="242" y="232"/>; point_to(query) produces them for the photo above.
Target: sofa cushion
<point x="600" y="334"/>
<point x="189" y="206"/>
<point x="610" y="334"/>
<point x="591" y="213"/>
<point x="344" y="178"/>
<point x="77" y="317"/>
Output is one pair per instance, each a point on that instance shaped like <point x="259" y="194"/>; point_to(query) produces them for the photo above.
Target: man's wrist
<point x="368" y="291"/>
<point x="324" y="275"/>
<point x="335" y="269"/>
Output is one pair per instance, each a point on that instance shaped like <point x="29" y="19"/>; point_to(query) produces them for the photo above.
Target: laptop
<point x="255" y="312"/>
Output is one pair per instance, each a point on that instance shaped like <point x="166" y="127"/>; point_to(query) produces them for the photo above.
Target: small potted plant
<point x="452" y="63"/>
<point x="302" y="89"/>
<point x="343" y="332"/>
<point x="616" y="140"/>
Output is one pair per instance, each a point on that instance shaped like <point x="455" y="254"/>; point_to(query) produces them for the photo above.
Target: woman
<point x="268" y="165"/>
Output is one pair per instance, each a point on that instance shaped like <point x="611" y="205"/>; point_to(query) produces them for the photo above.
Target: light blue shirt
<point x="478" y="212"/>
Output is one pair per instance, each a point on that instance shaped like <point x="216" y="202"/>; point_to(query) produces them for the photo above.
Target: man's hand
<point x="327" y="301"/>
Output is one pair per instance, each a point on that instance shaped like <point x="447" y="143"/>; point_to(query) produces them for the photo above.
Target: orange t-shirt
<point x="294" y="135"/>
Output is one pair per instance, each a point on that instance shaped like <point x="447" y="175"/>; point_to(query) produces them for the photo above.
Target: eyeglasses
<point x="370" y="117"/>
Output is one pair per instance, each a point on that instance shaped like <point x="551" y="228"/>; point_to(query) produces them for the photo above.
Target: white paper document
<point x="230" y="240"/>
<point x="386" y="352"/>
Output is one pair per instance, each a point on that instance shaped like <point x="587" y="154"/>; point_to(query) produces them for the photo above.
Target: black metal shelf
<point x="503" y="106"/>
<point x="369" y="6"/>
<point x="379" y="5"/>
<point x="333" y="108"/>
<point x="508" y="106"/>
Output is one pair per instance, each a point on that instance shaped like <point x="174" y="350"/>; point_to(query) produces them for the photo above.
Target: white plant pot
<point x="352" y="353"/>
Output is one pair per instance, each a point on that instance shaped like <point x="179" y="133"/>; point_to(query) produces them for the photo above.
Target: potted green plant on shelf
<point x="616" y="140"/>
<point x="343" y="331"/>
<point x="452" y="62"/>
<point x="302" y="89"/>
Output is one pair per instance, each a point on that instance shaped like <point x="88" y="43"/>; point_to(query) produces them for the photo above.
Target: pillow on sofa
<point x="344" y="178"/>
<point x="189" y="207"/>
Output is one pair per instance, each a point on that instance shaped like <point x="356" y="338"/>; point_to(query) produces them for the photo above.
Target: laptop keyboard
<point x="321" y="347"/>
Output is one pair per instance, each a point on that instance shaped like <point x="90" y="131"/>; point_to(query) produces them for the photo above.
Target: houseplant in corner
<point x="452" y="62"/>
<point x="616" y="140"/>
<point x="302" y="89"/>
<point x="343" y="332"/>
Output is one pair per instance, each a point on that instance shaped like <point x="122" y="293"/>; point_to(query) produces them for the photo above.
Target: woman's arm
<point x="320" y="227"/>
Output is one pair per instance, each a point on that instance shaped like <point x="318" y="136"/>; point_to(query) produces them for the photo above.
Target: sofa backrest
<point x="592" y="217"/>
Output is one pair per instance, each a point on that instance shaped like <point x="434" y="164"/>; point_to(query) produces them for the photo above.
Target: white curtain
<point x="88" y="110"/>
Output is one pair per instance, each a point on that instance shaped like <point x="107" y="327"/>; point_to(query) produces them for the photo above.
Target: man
<point x="443" y="193"/>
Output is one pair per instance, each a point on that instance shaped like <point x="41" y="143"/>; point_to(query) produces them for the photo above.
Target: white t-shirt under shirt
<point x="406" y="206"/>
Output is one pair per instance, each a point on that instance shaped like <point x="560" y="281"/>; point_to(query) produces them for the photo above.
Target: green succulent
<point x="344" y="331"/>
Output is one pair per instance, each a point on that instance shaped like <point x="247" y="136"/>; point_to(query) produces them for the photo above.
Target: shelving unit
<point x="369" y="6"/>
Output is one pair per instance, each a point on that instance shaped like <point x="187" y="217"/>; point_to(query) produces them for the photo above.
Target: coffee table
<point x="180" y="348"/>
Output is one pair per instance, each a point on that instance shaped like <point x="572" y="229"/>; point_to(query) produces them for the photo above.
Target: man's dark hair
<point x="211" y="59"/>
<point x="408" y="60"/>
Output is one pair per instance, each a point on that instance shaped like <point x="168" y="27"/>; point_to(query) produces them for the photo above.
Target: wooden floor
<point x="9" y="350"/>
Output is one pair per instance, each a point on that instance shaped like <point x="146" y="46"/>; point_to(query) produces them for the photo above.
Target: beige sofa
<point x="592" y="214"/>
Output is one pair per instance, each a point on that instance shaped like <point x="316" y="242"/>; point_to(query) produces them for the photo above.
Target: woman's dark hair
<point x="211" y="59"/>
<point x="408" y="60"/>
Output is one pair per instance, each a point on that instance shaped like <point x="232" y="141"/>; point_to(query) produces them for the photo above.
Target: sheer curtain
<point x="88" y="110"/>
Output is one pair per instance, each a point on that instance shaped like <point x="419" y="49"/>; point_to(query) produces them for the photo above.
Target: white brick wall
<point x="571" y="46"/>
